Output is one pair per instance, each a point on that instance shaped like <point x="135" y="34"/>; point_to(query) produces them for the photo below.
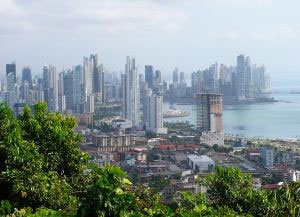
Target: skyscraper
<point x="181" y="77"/>
<point x="175" y="76"/>
<point x="157" y="77"/>
<point x="209" y="118"/>
<point x="89" y="97"/>
<point x="248" y="78"/>
<point x="241" y="90"/>
<point x="197" y="85"/>
<point x="26" y="75"/>
<point x="146" y="94"/>
<point x="61" y="94"/>
<point x="102" y="86"/>
<point x="149" y="75"/>
<point x="68" y="89"/>
<point x="88" y="76"/>
<point x="52" y="89"/>
<point x="156" y="114"/>
<point x="10" y="82"/>
<point x="77" y="88"/>
<point x="96" y="77"/>
<point x="11" y="68"/>
<point x="131" y="93"/>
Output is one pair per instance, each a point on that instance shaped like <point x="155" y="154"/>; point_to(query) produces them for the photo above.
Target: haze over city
<point x="188" y="34"/>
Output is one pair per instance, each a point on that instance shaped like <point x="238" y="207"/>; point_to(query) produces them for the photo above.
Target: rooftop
<point x="203" y="158"/>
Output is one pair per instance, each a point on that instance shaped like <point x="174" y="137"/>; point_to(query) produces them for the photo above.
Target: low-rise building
<point x="286" y="157"/>
<point x="200" y="163"/>
<point x="86" y="118"/>
<point x="112" y="142"/>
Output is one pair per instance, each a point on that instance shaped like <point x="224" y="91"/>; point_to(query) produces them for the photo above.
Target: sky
<point x="188" y="34"/>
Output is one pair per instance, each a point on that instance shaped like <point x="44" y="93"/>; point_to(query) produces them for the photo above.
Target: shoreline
<point x="225" y="101"/>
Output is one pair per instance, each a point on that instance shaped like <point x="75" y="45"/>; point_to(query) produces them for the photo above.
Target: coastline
<point x="226" y="101"/>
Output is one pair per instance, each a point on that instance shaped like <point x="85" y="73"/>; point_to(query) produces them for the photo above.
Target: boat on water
<point x="175" y="113"/>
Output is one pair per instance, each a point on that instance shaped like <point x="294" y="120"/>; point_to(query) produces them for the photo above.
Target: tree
<point x="107" y="193"/>
<point x="229" y="187"/>
<point x="40" y="156"/>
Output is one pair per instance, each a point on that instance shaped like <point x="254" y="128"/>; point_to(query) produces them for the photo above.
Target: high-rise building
<point x="131" y="93"/>
<point x="11" y="68"/>
<point x="248" y="79"/>
<point x="241" y="89"/>
<point x="158" y="76"/>
<point x="78" y="95"/>
<point x="149" y="75"/>
<point x="26" y="84"/>
<point x="165" y="87"/>
<point x="68" y="89"/>
<point x="146" y="94"/>
<point x="9" y="98"/>
<point x="88" y="76"/>
<point x="156" y="114"/>
<point x="10" y="82"/>
<point x="25" y="92"/>
<point x="197" y="82"/>
<point x="26" y="75"/>
<point x="61" y="93"/>
<point x="102" y="86"/>
<point x="45" y="83"/>
<point x="209" y="118"/>
<point x="175" y="76"/>
<point x="181" y="77"/>
<point x="88" y="83"/>
<point x="96" y="77"/>
<point x="52" y="89"/>
<point x="90" y="104"/>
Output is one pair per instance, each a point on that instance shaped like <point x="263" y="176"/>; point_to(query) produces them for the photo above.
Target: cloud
<point x="98" y="16"/>
<point x="243" y="2"/>
<point x="278" y="33"/>
<point x="227" y="34"/>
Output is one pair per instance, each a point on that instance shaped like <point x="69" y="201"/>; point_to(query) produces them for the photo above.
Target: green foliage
<point x="192" y="205"/>
<point x="149" y="203"/>
<point x="5" y="208"/>
<point x="222" y="149"/>
<point x="107" y="193"/>
<point x="229" y="187"/>
<point x="40" y="154"/>
<point x="159" y="182"/>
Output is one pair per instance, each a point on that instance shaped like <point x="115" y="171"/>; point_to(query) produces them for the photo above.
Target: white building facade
<point x="131" y="93"/>
<point x="156" y="124"/>
<point x="201" y="163"/>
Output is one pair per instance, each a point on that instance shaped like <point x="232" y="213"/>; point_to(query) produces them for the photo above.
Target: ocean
<point x="267" y="120"/>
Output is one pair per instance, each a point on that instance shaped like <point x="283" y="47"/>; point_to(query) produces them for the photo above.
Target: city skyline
<point x="166" y="76"/>
<point x="194" y="34"/>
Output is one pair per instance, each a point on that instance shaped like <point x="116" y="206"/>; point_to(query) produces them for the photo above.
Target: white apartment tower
<point x="131" y="93"/>
<point x="61" y="94"/>
<point x="156" y="124"/>
<point x="88" y="67"/>
<point x="51" y="88"/>
<point x="87" y="76"/>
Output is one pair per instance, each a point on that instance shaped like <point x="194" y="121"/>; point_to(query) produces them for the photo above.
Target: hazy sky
<point x="189" y="34"/>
